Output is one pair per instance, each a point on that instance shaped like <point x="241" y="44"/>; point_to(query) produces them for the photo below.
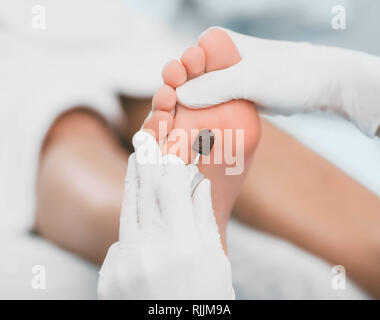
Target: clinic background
<point x="61" y="61"/>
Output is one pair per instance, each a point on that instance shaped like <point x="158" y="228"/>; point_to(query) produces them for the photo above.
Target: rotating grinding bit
<point x="203" y="143"/>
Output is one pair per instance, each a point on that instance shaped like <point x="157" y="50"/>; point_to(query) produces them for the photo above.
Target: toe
<point x="164" y="99"/>
<point x="159" y="124"/>
<point x="219" y="48"/>
<point x="174" y="74"/>
<point x="194" y="60"/>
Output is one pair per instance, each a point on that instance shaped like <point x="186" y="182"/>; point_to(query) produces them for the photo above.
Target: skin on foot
<point x="235" y="123"/>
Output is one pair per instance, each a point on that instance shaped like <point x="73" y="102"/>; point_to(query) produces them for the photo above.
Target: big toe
<point x="219" y="48"/>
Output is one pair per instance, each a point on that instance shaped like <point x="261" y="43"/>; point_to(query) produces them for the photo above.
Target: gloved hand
<point x="169" y="245"/>
<point x="288" y="77"/>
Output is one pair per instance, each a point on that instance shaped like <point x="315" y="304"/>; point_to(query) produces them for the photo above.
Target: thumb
<point x="213" y="88"/>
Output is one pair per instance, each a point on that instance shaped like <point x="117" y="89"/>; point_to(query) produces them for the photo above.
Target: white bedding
<point x="263" y="266"/>
<point x="31" y="80"/>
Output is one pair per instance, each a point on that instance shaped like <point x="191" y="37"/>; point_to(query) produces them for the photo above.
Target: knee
<point x="70" y="184"/>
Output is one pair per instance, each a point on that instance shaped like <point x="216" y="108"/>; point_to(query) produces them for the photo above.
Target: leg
<point x="80" y="185"/>
<point x="293" y="193"/>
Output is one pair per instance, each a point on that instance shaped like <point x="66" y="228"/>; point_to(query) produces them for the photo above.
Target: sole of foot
<point x="235" y="124"/>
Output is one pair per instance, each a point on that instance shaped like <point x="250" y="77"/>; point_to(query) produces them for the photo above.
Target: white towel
<point x="90" y="51"/>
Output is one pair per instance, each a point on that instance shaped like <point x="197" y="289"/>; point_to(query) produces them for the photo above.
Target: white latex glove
<point x="169" y="245"/>
<point x="289" y="77"/>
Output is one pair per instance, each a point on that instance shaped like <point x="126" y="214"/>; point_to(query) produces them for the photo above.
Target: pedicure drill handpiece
<point x="202" y="145"/>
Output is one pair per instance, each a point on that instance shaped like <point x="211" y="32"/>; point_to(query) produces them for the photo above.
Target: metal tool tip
<point x="204" y="142"/>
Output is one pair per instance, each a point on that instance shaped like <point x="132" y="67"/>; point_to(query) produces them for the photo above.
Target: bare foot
<point x="235" y="123"/>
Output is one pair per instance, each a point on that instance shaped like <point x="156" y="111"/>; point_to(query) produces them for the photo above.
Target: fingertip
<point x="147" y="150"/>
